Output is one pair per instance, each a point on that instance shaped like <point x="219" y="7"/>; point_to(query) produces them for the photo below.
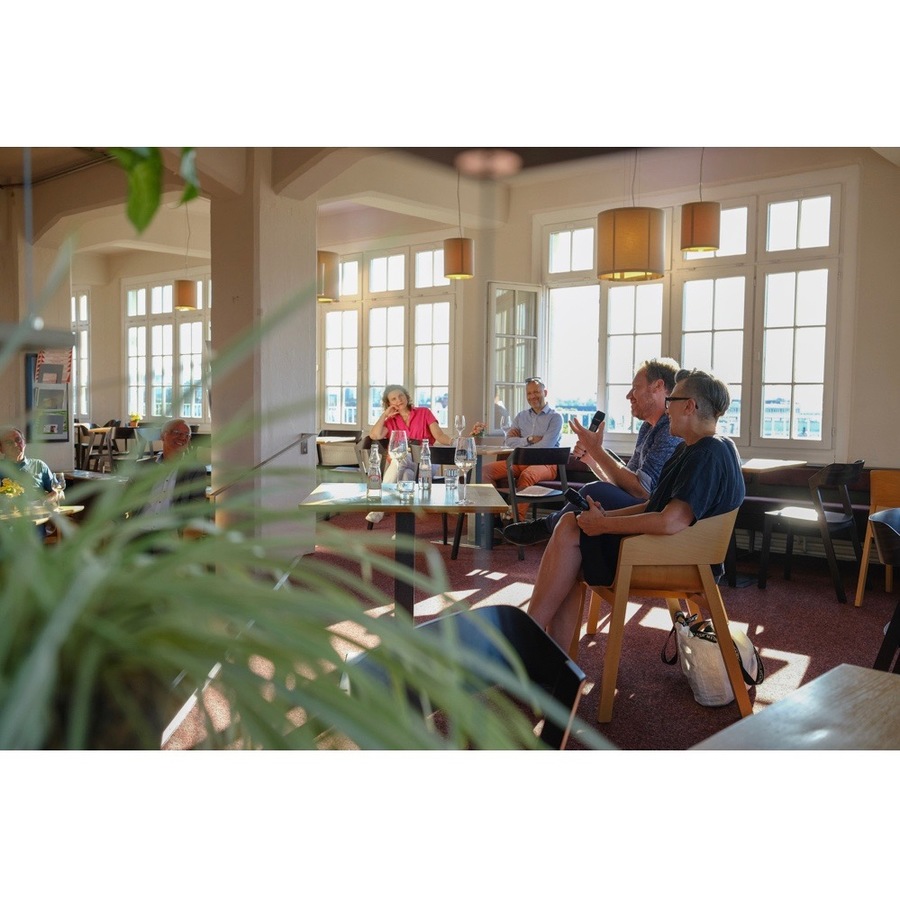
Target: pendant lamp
<point x="631" y="244"/>
<point x="328" y="278"/>
<point x="459" y="258"/>
<point x="459" y="253"/>
<point x="700" y="222"/>
<point x="185" y="294"/>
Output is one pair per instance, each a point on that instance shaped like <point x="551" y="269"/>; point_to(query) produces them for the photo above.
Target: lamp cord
<point x="702" y="151"/>
<point x="634" y="176"/>
<point x="187" y="245"/>
<point x="458" y="202"/>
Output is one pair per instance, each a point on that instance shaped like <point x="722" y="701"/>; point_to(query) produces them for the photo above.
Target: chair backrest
<point x="703" y="543"/>
<point x="833" y="479"/>
<point x="886" y="531"/>
<point x="884" y="489"/>
<point x="546" y="663"/>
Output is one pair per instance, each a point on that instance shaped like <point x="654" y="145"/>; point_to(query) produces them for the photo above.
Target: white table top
<point x="347" y="496"/>
<point x="760" y="466"/>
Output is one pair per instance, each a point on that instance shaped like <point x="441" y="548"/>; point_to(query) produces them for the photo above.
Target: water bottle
<point x="425" y="468"/>
<point x="373" y="477"/>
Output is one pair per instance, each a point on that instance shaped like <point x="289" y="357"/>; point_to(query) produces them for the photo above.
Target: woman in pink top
<point x="399" y="414"/>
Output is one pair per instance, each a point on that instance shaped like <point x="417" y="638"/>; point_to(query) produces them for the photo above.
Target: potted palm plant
<point x="108" y="631"/>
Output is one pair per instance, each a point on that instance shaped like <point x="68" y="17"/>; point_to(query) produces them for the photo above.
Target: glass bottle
<point x="373" y="476"/>
<point x="425" y="468"/>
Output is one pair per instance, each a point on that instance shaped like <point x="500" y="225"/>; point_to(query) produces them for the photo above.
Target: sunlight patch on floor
<point x="631" y="610"/>
<point x="515" y="594"/>
<point x="431" y="606"/>
<point x="486" y="573"/>
<point x="787" y="677"/>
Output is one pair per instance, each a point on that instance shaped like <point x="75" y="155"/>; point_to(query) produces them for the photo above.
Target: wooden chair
<point x="535" y="456"/>
<point x="832" y="480"/>
<point x="675" y="567"/>
<point x="885" y="526"/>
<point x="546" y="663"/>
<point x="884" y="490"/>
<point x="99" y="457"/>
<point x="82" y="443"/>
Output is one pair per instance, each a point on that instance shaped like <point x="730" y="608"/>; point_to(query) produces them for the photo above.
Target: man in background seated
<point x="181" y="483"/>
<point x="33" y="475"/>
<point x="538" y="426"/>
<point x="621" y="484"/>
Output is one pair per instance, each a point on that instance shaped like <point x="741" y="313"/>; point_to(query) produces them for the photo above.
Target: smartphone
<point x="576" y="499"/>
<point x="595" y="422"/>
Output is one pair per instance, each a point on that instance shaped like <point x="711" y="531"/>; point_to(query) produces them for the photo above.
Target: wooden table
<point x="42" y="516"/>
<point x="848" y="708"/>
<point x="338" y="497"/>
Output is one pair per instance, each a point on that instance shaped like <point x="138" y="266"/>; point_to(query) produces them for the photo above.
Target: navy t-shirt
<point x="706" y="475"/>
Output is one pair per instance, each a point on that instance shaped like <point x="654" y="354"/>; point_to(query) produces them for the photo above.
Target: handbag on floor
<point x="697" y="646"/>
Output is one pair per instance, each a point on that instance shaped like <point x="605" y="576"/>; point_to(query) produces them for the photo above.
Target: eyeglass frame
<point x="537" y="379"/>
<point x="675" y="400"/>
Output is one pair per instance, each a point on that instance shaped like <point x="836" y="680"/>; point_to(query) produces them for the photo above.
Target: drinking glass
<point x="58" y="483"/>
<point x="464" y="457"/>
<point x="398" y="448"/>
<point x="505" y="425"/>
<point x="459" y="423"/>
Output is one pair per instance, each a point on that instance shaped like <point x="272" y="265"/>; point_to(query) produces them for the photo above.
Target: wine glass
<point x="464" y="457"/>
<point x="58" y="483"/>
<point x="459" y="423"/>
<point x="505" y="425"/>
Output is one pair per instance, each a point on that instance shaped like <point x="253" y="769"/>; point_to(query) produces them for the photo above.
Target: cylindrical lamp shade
<point x="700" y="226"/>
<point x="328" y="276"/>
<point x="459" y="258"/>
<point x="185" y="294"/>
<point x="631" y="244"/>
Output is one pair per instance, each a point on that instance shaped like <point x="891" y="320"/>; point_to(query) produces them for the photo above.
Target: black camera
<point x="576" y="499"/>
<point x="595" y="422"/>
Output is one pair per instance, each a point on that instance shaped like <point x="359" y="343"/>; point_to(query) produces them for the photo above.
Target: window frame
<point x="842" y="185"/>
<point x="175" y="318"/>
<point x="82" y="331"/>
<point x="364" y="303"/>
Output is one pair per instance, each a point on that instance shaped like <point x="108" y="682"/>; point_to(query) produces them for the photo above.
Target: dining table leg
<point x="484" y="522"/>
<point x="404" y="555"/>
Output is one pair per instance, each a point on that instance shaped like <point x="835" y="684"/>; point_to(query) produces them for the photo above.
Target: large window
<point x="386" y="330"/>
<point x="517" y="331"/>
<point x="759" y="311"/>
<point x="166" y="352"/>
<point x="81" y="371"/>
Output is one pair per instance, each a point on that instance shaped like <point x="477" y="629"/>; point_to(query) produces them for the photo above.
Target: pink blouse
<point x="416" y="428"/>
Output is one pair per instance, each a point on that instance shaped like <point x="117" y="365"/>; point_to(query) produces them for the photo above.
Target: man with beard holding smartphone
<point x="620" y="484"/>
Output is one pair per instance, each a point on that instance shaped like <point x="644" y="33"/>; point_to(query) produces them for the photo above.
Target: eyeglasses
<point x="675" y="400"/>
<point x="535" y="379"/>
<point x="183" y="435"/>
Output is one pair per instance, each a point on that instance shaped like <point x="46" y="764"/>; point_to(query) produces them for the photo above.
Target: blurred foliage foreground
<point x="97" y="629"/>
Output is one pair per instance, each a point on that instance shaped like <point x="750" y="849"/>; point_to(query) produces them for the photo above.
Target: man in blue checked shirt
<point x="538" y="426"/>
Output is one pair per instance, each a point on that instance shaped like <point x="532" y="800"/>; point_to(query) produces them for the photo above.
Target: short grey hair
<point x="710" y="393"/>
